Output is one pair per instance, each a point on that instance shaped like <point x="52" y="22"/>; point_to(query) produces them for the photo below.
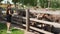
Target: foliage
<point x="1" y="0"/>
<point x="15" y="1"/>
<point x="53" y="3"/>
<point x="30" y="2"/>
<point x="43" y="3"/>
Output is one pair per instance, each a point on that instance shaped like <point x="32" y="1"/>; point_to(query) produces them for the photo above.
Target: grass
<point x="3" y="30"/>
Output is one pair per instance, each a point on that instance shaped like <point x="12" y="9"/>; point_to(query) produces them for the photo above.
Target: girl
<point x="8" y="16"/>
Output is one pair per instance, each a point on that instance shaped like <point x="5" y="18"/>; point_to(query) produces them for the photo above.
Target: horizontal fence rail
<point x="34" y="28"/>
<point x="40" y="30"/>
<point x="45" y="22"/>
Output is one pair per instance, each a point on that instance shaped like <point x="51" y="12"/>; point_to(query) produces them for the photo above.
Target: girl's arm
<point x="10" y="12"/>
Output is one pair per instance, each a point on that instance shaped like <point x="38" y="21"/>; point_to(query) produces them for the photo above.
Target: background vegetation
<point x="42" y="3"/>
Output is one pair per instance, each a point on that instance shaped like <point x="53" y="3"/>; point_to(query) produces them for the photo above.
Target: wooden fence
<point x="27" y="25"/>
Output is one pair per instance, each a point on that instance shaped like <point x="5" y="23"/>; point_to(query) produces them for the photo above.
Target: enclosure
<point x="33" y="16"/>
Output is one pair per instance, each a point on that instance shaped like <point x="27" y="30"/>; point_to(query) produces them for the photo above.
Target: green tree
<point x="30" y="2"/>
<point x="1" y="0"/>
<point x="44" y="3"/>
<point x="15" y="1"/>
<point x="55" y="4"/>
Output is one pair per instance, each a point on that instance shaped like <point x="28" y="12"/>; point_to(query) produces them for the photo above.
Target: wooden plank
<point x="40" y="30"/>
<point x="45" y="22"/>
<point x="55" y="24"/>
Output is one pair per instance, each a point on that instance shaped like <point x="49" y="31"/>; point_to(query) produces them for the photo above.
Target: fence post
<point x="27" y="20"/>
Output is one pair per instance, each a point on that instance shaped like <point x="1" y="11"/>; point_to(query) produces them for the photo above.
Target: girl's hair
<point x="9" y="5"/>
<point x="8" y="8"/>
